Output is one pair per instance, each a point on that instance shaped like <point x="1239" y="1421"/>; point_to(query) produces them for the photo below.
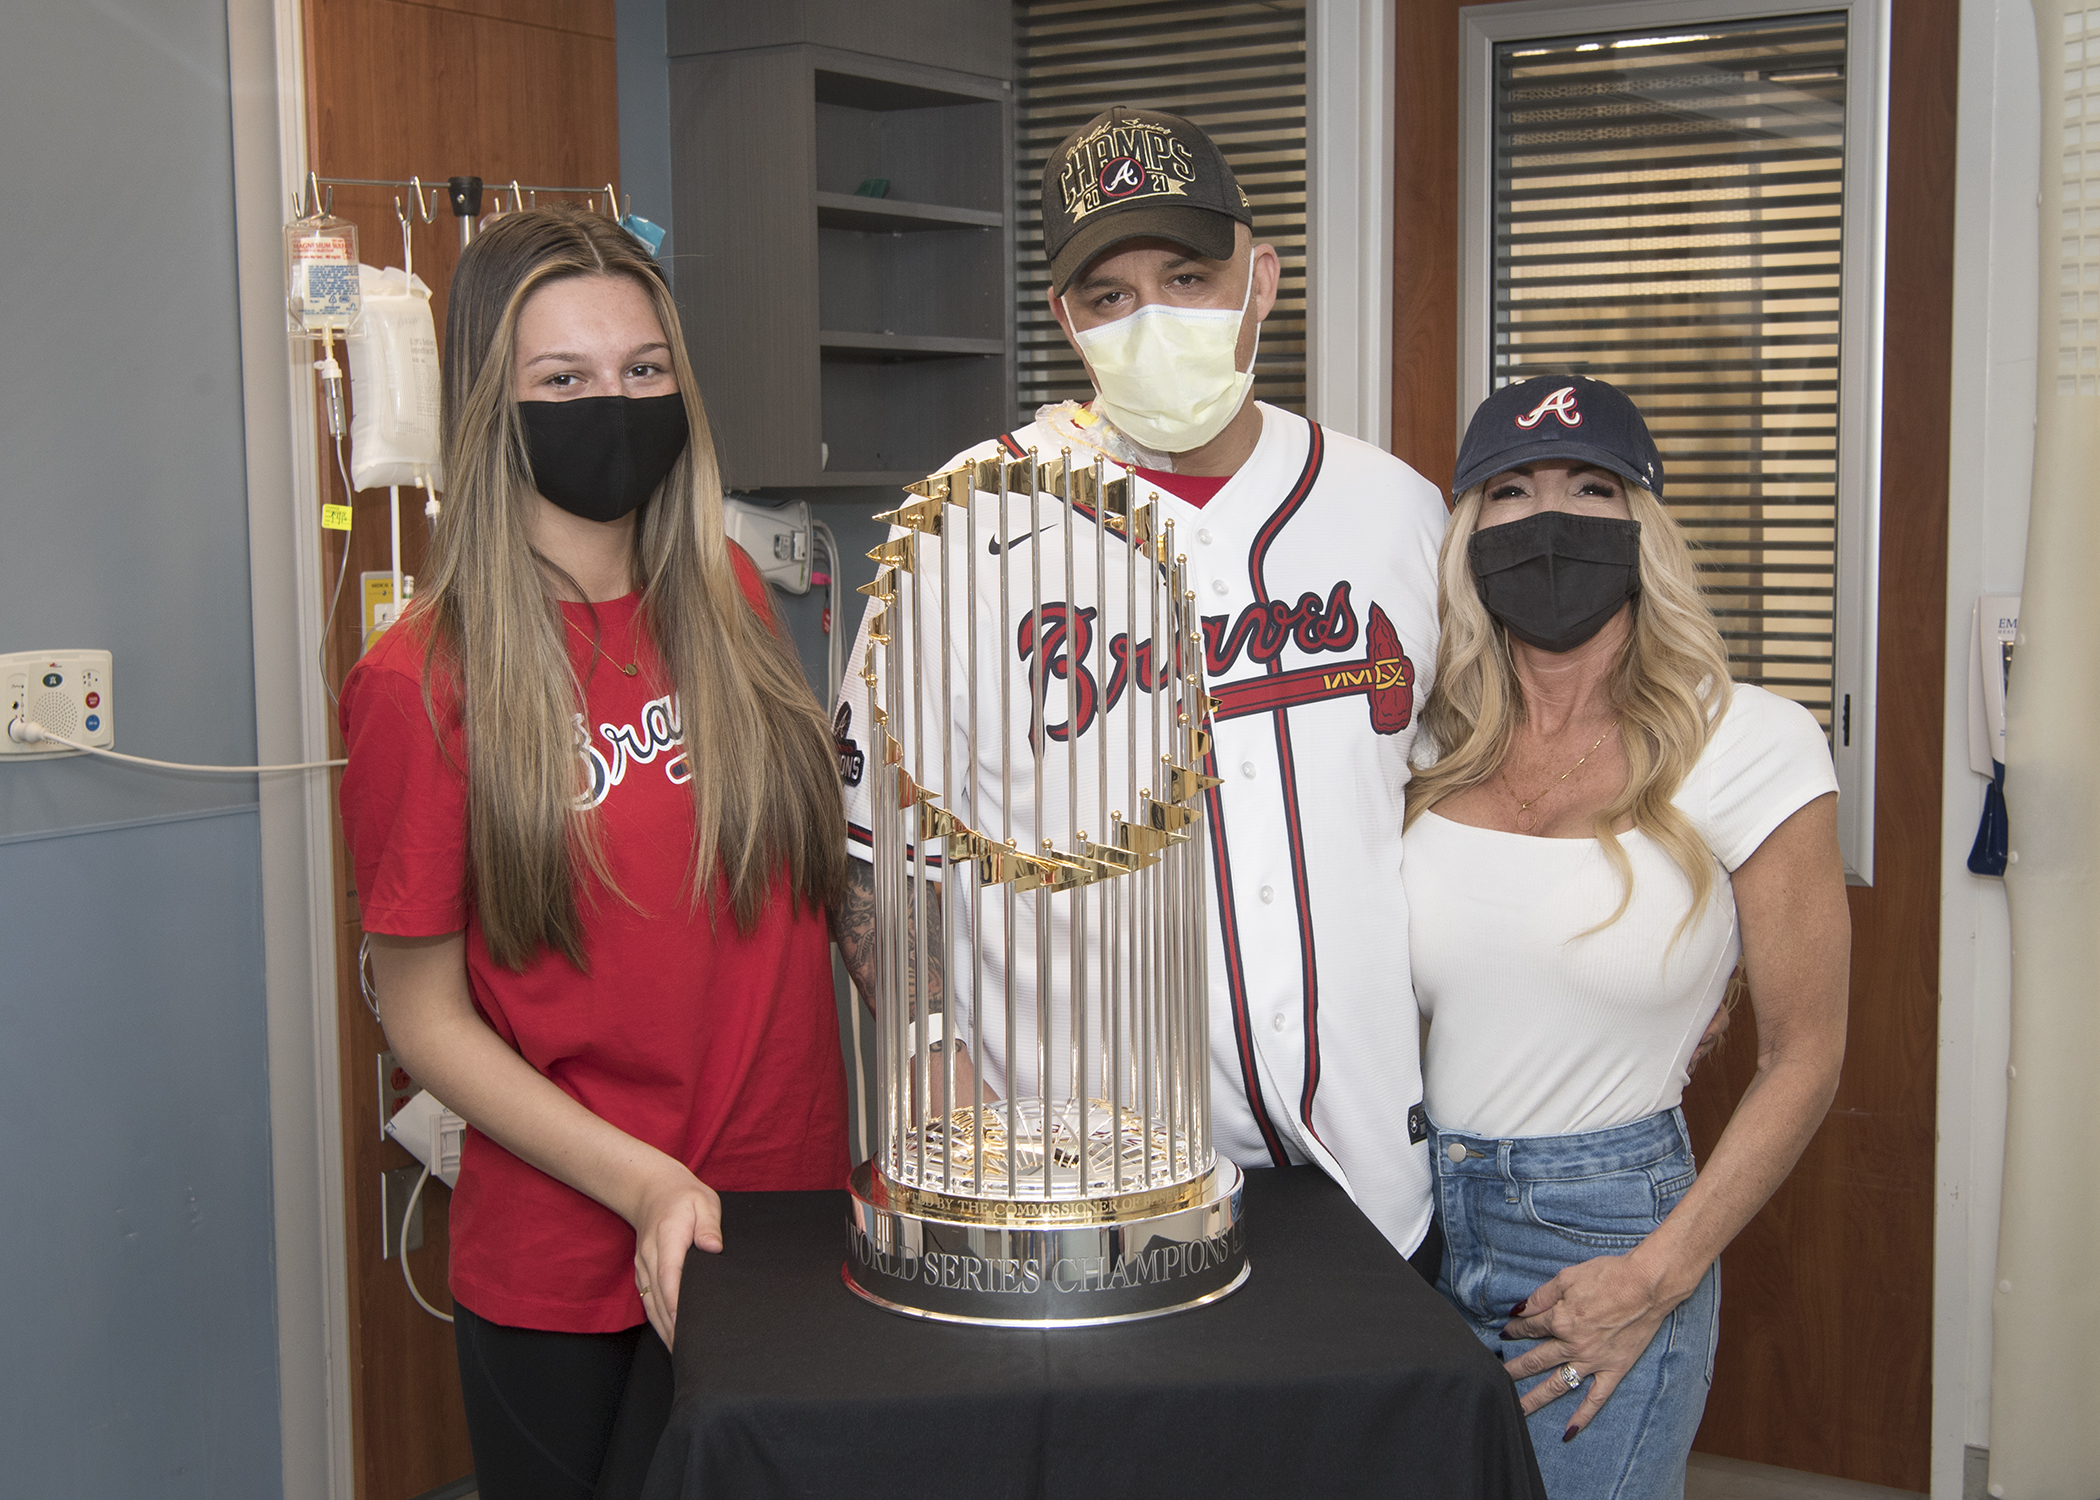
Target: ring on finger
<point x="644" y="1290"/>
<point x="1570" y="1376"/>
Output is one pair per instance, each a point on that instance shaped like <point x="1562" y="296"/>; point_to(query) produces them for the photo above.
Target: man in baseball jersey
<point x="1313" y="557"/>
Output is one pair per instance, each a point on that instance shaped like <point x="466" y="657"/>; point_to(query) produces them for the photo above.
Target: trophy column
<point x="1043" y="1153"/>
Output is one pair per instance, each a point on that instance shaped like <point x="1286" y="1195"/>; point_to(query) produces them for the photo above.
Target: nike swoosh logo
<point x="1012" y="544"/>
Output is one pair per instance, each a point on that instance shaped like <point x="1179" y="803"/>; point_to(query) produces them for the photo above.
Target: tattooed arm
<point x="853" y="929"/>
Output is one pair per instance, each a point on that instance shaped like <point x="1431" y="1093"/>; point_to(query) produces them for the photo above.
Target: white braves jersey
<point x="1314" y="569"/>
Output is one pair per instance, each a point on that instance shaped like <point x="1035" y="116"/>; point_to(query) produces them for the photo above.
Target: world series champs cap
<point x="1558" y="416"/>
<point x="1132" y="174"/>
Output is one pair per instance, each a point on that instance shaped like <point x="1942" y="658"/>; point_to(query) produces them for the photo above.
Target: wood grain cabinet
<point x="843" y="336"/>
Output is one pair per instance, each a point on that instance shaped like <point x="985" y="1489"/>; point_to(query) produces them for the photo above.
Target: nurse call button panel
<point x="68" y="692"/>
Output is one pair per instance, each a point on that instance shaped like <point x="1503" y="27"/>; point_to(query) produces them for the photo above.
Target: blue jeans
<point x="1516" y="1212"/>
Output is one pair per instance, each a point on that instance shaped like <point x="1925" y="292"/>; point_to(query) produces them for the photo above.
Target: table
<point x="1335" y="1371"/>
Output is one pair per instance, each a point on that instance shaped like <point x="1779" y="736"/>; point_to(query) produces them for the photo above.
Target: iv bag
<point x="321" y="287"/>
<point x="394" y="384"/>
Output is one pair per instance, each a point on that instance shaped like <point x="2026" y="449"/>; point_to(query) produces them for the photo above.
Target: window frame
<point x="1857" y="594"/>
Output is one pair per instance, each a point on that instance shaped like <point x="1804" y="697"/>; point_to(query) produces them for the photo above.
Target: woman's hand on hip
<point x="675" y="1212"/>
<point x="1598" y="1315"/>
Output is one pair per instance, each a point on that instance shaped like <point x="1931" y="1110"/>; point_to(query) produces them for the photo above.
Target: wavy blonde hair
<point x="764" y="772"/>
<point x="1669" y="689"/>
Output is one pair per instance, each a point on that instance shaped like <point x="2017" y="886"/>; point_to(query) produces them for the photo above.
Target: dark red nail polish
<point x="1518" y="1310"/>
<point x="1568" y="1436"/>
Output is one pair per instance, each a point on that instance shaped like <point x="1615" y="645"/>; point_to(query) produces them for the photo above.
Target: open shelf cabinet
<point x="841" y="337"/>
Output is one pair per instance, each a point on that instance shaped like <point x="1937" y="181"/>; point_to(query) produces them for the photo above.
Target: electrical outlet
<point x="68" y="692"/>
<point x="396" y="1088"/>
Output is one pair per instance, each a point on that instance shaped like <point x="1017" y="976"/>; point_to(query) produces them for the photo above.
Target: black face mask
<point x="1553" y="579"/>
<point x="600" y="457"/>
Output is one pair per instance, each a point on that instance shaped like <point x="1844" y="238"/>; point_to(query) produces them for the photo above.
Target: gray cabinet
<point x="842" y="339"/>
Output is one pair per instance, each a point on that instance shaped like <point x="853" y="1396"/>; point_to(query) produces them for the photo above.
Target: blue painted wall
<point x="136" y="1290"/>
<point x="135" y="1252"/>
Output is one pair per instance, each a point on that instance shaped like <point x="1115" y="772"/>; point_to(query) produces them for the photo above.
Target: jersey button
<point x="1278" y="1023"/>
<point x="1247" y="769"/>
<point x="1219" y="586"/>
<point x="1268" y="893"/>
<point x="1203" y="535"/>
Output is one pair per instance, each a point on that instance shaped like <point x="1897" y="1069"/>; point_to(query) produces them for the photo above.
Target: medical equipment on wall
<point x="63" y="703"/>
<point x="323" y="294"/>
<point x="434" y="1136"/>
<point x="776" y="536"/>
<point x="394" y="389"/>
<point x="394" y="398"/>
<point x="1991" y="642"/>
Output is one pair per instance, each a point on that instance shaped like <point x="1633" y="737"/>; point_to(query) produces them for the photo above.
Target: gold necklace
<point x="597" y="645"/>
<point x="1524" y="807"/>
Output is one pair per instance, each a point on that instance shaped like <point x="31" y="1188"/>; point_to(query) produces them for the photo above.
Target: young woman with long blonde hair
<point x="1604" y="826"/>
<point x="594" y="816"/>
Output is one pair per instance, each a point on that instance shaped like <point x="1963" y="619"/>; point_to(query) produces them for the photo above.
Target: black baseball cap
<point x="1134" y="174"/>
<point x="1558" y="416"/>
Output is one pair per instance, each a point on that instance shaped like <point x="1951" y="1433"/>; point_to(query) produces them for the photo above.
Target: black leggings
<point x="561" y="1416"/>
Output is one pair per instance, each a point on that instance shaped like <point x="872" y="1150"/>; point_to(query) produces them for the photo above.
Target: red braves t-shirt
<point x="717" y="1048"/>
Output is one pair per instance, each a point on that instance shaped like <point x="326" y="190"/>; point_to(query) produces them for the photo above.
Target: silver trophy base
<point x="1066" y="1264"/>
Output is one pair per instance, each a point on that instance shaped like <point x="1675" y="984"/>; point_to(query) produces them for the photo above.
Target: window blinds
<point x="1235" y="69"/>
<point x="1667" y="213"/>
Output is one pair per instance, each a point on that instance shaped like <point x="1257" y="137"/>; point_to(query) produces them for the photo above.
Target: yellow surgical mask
<point x="1166" y="376"/>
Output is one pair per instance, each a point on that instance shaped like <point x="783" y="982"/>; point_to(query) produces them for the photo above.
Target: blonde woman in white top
<point x="1604" y="827"/>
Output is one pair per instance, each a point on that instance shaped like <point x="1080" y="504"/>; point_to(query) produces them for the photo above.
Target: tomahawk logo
<point x="1561" y="403"/>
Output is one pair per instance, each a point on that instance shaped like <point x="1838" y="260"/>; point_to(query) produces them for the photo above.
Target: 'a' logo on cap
<point x="1121" y="176"/>
<point x="1561" y="403"/>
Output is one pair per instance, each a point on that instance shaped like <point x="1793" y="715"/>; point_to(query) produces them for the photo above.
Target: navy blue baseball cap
<point x="1558" y="416"/>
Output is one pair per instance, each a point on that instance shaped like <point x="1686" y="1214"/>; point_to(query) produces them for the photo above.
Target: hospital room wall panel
<point x="500" y="89"/>
<point x="584" y="17"/>
<point x="136" y="1243"/>
<point x="136" y="1246"/>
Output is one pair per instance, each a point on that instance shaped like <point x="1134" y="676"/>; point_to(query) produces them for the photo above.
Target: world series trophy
<point x="1043" y="1152"/>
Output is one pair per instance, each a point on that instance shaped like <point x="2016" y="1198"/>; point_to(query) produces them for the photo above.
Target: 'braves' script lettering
<point x="626" y="745"/>
<point x="1263" y="630"/>
<point x="1065" y="690"/>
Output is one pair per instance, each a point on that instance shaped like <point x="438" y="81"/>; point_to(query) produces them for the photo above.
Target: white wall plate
<point x="68" y="692"/>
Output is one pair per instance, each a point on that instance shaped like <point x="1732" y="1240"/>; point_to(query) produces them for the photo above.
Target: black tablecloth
<point x="1334" y="1371"/>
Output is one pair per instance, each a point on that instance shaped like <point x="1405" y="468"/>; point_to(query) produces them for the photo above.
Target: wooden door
<point x="1826" y="1317"/>
<point x="503" y="90"/>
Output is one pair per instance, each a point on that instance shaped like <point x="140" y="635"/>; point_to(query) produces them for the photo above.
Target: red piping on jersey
<point x="855" y="834"/>
<point x="1286" y="764"/>
<point x="1235" y="972"/>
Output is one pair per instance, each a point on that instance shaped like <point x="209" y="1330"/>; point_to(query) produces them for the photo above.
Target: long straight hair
<point x="1669" y="688"/>
<point x="764" y="772"/>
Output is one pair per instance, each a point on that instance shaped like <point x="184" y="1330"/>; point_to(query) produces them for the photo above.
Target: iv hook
<point x="408" y="264"/>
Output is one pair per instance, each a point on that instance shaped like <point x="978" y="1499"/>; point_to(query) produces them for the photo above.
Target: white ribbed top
<point x="1535" y="1030"/>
